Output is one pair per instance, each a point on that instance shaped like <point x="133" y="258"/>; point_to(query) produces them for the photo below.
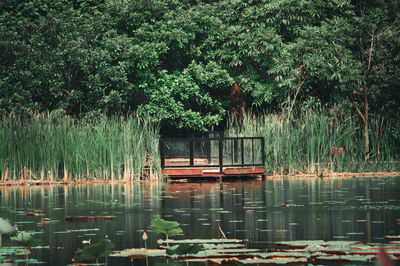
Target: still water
<point x="264" y="212"/>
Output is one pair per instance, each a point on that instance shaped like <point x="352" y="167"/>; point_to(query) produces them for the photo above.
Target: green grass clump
<point x="315" y="142"/>
<point x="55" y="148"/>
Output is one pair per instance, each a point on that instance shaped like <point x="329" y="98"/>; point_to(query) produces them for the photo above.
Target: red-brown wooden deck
<point x="204" y="172"/>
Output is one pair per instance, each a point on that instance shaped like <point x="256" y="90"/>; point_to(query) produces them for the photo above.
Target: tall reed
<point x="57" y="148"/>
<point x="318" y="143"/>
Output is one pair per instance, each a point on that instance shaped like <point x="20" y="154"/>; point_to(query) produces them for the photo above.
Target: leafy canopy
<point x="176" y="61"/>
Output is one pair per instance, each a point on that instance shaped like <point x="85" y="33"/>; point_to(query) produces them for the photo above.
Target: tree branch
<point x="357" y="108"/>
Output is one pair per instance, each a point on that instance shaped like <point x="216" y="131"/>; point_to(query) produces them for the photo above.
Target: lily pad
<point x="30" y="261"/>
<point x="24" y="222"/>
<point x="396" y="237"/>
<point x="76" y="230"/>
<point x="344" y="258"/>
<point x="278" y="260"/>
<point x="140" y="253"/>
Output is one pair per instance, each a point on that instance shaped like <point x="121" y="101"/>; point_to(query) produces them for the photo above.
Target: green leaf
<point x="174" y="232"/>
<point x="26" y="239"/>
<point x="162" y="224"/>
<point x="168" y="228"/>
<point x="95" y="251"/>
<point x="184" y="249"/>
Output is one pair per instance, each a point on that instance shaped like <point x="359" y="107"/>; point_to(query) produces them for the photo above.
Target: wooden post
<point x="161" y="143"/>
<point x="191" y="149"/>
<point x="220" y="153"/>
<point x="262" y="152"/>
<point x="242" y="150"/>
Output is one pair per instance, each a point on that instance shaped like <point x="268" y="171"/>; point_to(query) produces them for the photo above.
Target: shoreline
<point x="122" y="181"/>
<point x="337" y="175"/>
<point x="79" y="182"/>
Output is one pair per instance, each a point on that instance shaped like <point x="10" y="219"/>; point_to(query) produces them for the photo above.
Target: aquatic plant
<point x="304" y="143"/>
<point x="167" y="228"/>
<point x="26" y="239"/>
<point x="6" y="229"/>
<point x="144" y="237"/>
<point x="184" y="249"/>
<point x="60" y="148"/>
<point x="287" y="252"/>
<point x="95" y="251"/>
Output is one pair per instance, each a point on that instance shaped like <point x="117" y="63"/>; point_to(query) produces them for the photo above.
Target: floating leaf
<point x="140" y="253"/>
<point x="29" y="261"/>
<point x="76" y="230"/>
<point x="397" y="237"/>
<point x="15" y="250"/>
<point x="202" y="241"/>
<point x="344" y="258"/>
<point x="35" y="232"/>
<point x="277" y="260"/>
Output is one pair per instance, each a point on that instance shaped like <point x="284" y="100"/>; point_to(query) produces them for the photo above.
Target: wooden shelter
<point x="212" y="157"/>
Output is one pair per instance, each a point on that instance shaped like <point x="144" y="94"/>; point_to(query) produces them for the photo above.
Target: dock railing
<point x="212" y="152"/>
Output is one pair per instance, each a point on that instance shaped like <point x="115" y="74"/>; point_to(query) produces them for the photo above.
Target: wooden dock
<point x="212" y="157"/>
<point x="210" y="172"/>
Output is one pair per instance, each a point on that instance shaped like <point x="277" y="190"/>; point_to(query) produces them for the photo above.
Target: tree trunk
<point x="238" y="101"/>
<point x="365" y="120"/>
<point x="366" y="67"/>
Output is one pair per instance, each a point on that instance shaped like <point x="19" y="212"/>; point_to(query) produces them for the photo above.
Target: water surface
<point x="264" y="212"/>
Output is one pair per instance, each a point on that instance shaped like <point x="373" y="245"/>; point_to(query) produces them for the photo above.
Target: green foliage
<point x="185" y="99"/>
<point x="26" y="239"/>
<point x="6" y="228"/>
<point x="176" y="61"/>
<point x="184" y="249"/>
<point x="167" y="228"/>
<point x="306" y="143"/>
<point x="95" y="251"/>
<point x="54" y="147"/>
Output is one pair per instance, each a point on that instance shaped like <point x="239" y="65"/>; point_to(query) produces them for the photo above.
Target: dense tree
<point x="343" y="57"/>
<point x="177" y="61"/>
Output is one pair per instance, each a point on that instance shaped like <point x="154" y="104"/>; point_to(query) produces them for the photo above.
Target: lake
<point x="264" y="212"/>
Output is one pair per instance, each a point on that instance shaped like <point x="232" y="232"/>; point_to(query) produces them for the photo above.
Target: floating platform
<point x="212" y="157"/>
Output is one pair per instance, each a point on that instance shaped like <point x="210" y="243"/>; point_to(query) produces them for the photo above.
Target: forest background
<point x="193" y="66"/>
